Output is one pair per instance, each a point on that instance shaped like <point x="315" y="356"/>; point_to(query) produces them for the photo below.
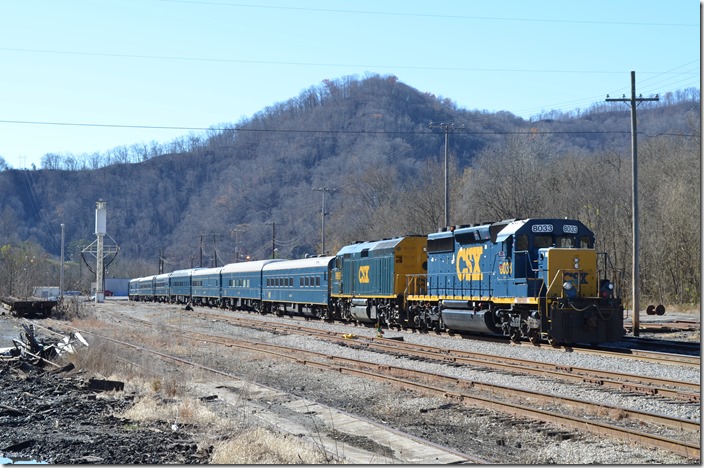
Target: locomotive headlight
<point x="576" y="263"/>
<point x="569" y="289"/>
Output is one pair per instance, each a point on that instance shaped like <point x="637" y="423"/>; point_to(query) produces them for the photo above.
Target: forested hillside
<point x="246" y="184"/>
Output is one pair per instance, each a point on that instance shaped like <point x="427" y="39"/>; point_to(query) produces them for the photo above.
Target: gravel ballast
<point x="484" y="433"/>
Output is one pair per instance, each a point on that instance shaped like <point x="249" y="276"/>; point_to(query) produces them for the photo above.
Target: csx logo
<point x="467" y="264"/>
<point x="363" y="274"/>
<point x="574" y="277"/>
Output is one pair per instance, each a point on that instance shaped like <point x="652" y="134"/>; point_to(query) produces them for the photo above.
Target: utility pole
<point x="61" y="276"/>
<point x="201" y="251"/>
<point x="215" y="253"/>
<point x="322" y="215"/>
<point x="633" y="102"/>
<point x="236" y="232"/>
<point x="273" y="238"/>
<point x="447" y="128"/>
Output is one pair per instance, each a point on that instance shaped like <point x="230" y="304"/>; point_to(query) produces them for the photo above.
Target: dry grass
<point x="263" y="447"/>
<point x="98" y="358"/>
<point x="70" y="309"/>
<point x="161" y="392"/>
<point x="694" y="309"/>
<point x="182" y="411"/>
<point x="232" y="444"/>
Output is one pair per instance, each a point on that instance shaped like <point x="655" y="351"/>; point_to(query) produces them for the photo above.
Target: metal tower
<point x="100" y="250"/>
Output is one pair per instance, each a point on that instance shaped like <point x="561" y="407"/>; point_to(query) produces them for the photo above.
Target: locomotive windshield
<point x="582" y="242"/>
<point x="548" y="240"/>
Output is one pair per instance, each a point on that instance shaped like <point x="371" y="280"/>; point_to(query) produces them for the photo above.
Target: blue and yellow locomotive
<point x="369" y="279"/>
<point x="532" y="278"/>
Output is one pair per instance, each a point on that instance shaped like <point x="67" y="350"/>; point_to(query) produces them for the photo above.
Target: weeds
<point x="161" y="395"/>
<point x="262" y="446"/>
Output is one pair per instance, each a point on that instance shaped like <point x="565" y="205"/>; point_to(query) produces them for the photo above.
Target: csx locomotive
<point x="529" y="278"/>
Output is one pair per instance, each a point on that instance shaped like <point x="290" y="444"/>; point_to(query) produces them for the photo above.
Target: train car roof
<point x="371" y="245"/>
<point x="555" y="223"/>
<point x="207" y="271"/>
<point x="510" y="229"/>
<point x="311" y="262"/>
<point x="249" y="267"/>
<point x="187" y="271"/>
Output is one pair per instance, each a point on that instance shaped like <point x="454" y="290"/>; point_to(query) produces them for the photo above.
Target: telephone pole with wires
<point x="273" y="238"/>
<point x="633" y="101"/>
<point x="322" y="216"/>
<point x="447" y="127"/>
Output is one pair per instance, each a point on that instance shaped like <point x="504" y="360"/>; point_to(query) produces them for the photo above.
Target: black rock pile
<point x="48" y="415"/>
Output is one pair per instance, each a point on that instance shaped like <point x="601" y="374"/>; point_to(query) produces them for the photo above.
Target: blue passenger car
<point x="162" y="287"/>
<point x="242" y="284"/>
<point x="205" y="286"/>
<point x="180" y="290"/>
<point x="298" y="287"/>
<point x="133" y="289"/>
<point x="142" y="289"/>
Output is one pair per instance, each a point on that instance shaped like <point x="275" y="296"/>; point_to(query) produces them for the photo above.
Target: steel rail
<point x="469" y="458"/>
<point x="622" y="381"/>
<point x="573" y="422"/>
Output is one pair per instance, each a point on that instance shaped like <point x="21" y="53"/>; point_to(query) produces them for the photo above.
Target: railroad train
<point x="535" y="279"/>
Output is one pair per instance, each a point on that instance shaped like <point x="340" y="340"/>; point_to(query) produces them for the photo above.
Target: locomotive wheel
<point x="553" y="342"/>
<point x="516" y="335"/>
<point x="534" y="337"/>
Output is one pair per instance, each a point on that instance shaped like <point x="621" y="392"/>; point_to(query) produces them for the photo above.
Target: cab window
<point x="541" y="241"/>
<point x="522" y="242"/>
<point x="585" y="242"/>
<point x="565" y="241"/>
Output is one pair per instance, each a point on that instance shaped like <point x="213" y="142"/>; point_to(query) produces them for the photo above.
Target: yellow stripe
<point x="496" y="300"/>
<point x="348" y="296"/>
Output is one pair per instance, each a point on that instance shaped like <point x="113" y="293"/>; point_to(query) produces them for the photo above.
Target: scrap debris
<point x="36" y="351"/>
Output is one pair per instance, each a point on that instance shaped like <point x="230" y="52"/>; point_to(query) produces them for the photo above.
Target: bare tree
<point x="510" y="180"/>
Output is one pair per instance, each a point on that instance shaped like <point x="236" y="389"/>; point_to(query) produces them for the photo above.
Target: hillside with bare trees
<point x="242" y="187"/>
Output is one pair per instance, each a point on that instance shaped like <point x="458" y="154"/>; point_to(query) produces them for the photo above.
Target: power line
<point x="331" y="132"/>
<point x="430" y="15"/>
<point x="308" y="64"/>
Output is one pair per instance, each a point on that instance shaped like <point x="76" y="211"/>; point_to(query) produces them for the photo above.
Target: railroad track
<point x="685" y="391"/>
<point x="644" y="355"/>
<point x="470" y="393"/>
<point x="401" y="447"/>
<point x="677" y="347"/>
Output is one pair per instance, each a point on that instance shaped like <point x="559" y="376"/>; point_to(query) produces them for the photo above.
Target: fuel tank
<point x="457" y="315"/>
<point x="362" y="311"/>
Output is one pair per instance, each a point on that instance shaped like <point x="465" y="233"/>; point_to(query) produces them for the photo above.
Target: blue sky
<point x="195" y="64"/>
